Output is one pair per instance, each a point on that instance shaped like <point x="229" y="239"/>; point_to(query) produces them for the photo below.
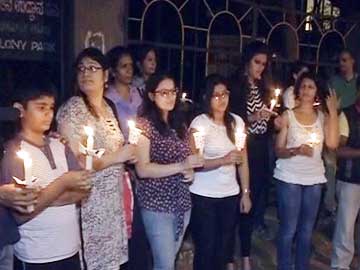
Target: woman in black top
<point x="250" y="101"/>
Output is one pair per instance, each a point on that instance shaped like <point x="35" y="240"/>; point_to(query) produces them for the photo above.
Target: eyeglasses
<point x="91" y="69"/>
<point x="167" y="92"/>
<point x="222" y="95"/>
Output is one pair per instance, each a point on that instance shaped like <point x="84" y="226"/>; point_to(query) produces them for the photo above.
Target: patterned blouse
<point x="254" y="104"/>
<point x="167" y="194"/>
<point x="102" y="213"/>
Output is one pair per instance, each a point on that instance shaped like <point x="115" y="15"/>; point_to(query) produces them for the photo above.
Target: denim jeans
<point x="298" y="207"/>
<point x="6" y="258"/>
<point x="161" y="231"/>
<point x="330" y="172"/>
<point x="348" y="210"/>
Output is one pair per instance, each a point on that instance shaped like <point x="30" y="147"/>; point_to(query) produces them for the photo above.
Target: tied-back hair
<point x="141" y="54"/>
<point x="296" y="67"/>
<point x="210" y="82"/>
<point x="322" y="90"/>
<point x="151" y="112"/>
<point x="96" y="55"/>
<point x="113" y="56"/>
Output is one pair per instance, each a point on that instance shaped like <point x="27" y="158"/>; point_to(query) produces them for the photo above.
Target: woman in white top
<point x="215" y="190"/>
<point x="300" y="170"/>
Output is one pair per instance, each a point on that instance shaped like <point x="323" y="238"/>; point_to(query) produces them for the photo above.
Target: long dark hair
<point x="240" y="80"/>
<point x="96" y="55"/>
<point x="249" y="53"/>
<point x="113" y="56"/>
<point x="322" y="91"/>
<point x="150" y="111"/>
<point x="210" y="82"/>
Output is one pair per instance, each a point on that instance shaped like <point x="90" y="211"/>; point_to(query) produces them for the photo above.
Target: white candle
<point x="272" y="104"/>
<point x="277" y="92"/>
<point x="183" y="97"/>
<point x="89" y="146"/>
<point x="240" y="138"/>
<point x="199" y="138"/>
<point x="28" y="177"/>
<point x="134" y="132"/>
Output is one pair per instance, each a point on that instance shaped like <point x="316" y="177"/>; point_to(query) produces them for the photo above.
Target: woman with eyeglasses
<point x="215" y="192"/>
<point x="127" y="100"/>
<point x="164" y="166"/>
<point x="103" y="225"/>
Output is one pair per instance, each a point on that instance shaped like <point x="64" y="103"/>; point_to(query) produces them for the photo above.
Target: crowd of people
<point x="102" y="201"/>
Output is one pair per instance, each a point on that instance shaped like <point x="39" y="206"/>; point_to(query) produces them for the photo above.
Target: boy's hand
<point x="77" y="180"/>
<point x="17" y="197"/>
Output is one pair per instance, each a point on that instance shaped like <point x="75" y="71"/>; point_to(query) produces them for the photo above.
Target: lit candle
<point x="272" y="104"/>
<point x="199" y="138"/>
<point x="183" y="97"/>
<point x="240" y="138"/>
<point x="89" y="146"/>
<point x="134" y="132"/>
<point x="27" y="166"/>
<point x="277" y="92"/>
<point x="28" y="178"/>
<point x="313" y="140"/>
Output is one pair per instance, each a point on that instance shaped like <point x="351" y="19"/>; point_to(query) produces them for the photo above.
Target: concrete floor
<point x="264" y="252"/>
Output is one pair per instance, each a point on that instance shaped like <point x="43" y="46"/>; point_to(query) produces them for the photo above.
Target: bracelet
<point x="246" y="191"/>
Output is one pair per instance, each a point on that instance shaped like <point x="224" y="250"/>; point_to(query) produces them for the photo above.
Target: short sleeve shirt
<point x="166" y="194"/>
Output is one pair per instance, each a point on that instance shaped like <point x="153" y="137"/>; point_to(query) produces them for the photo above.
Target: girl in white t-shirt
<point x="300" y="170"/>
<point x="215" y="190"/>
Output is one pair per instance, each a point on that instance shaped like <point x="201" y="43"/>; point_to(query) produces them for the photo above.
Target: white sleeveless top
<point x="302" y="170"/>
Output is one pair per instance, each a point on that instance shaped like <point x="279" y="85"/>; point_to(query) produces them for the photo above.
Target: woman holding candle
<point x="127" y="100"/>
<point x="102" y="214"/>
<point x="164" y="166"/>
<point x="300" y="170"/>
<point x="215" y="190"/>
<point x="250" y="100"/>
<point x="125" y="97"/>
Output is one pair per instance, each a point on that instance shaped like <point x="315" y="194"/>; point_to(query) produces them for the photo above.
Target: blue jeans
<point x="160" y="229"/>
<point x="6" y="258"/>
<point x="297" y="209"/>
<point x="348" y="210"/>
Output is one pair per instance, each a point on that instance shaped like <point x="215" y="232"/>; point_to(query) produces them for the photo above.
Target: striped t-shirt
<point x="254" y="104"/>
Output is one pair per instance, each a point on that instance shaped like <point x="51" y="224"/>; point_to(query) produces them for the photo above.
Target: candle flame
<point x="131" y="124"/>
<point x="313" y="137"/>
<point x="277" y="92"/>
<point x="89" y="131"/>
